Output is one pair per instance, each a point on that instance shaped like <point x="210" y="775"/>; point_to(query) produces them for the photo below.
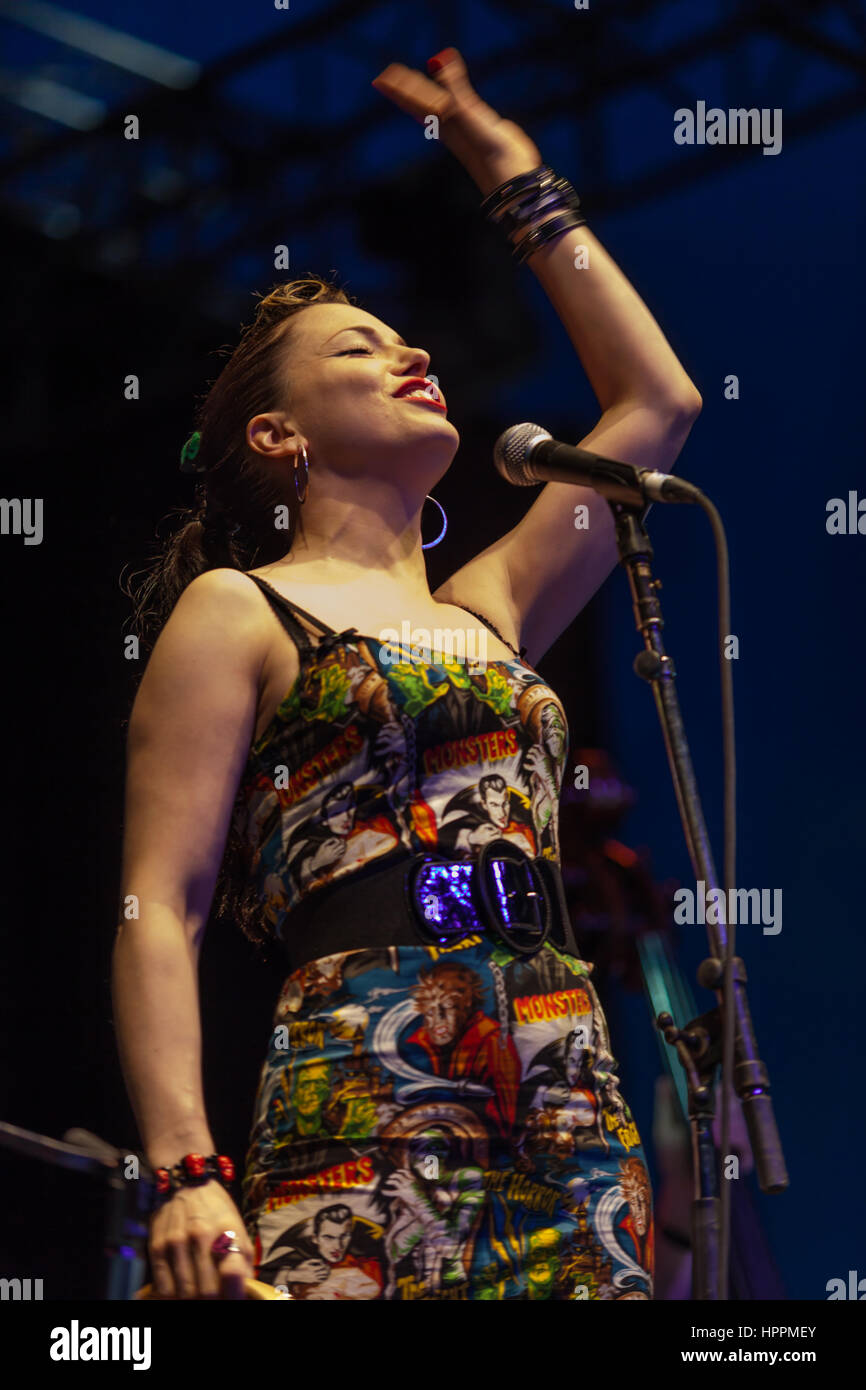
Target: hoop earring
<point x="297" y="473"/>
<point x="430" y="544"/>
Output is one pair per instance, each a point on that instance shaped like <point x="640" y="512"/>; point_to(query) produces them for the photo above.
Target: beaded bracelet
<point x="193" y="1170"/>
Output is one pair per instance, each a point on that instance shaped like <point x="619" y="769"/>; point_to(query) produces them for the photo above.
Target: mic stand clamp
<point x="699" y="1048"/>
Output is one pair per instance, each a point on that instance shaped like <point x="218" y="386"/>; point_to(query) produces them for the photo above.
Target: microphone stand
<point x="699" y="1043"/>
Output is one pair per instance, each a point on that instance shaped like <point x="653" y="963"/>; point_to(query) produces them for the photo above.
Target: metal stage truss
<point x="216" y="180"/>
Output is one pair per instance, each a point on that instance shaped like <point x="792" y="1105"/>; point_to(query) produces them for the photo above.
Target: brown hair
<point x="231" y="524"/>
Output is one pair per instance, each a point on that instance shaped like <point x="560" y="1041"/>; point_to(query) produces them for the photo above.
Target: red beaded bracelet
<point x="192" y="1171"/>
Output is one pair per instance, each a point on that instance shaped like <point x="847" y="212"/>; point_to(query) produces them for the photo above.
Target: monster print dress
<point x="429" y="1123"/>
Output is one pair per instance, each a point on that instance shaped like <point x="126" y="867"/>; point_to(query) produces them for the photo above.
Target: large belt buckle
<point x="514" y="897"/>
<point x="439" y="895"/>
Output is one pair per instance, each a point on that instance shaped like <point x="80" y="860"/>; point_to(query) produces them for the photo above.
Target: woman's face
<point x="344" y="369"/>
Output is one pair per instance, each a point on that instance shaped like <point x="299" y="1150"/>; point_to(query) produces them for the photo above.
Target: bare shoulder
<point x="225" y="585"/>
<point x="221" y="605"/>
<point x="216" y="632"/>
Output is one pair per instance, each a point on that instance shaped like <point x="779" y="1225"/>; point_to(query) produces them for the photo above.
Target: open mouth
<point x="423" y="392"/>
<point x="424" y="400"/>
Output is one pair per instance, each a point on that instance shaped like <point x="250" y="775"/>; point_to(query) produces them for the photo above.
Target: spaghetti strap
<point x="289" y="613"/>
<point x="487" y="623"/>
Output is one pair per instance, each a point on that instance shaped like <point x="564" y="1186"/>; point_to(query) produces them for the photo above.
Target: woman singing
<point x="438" y="1114"/>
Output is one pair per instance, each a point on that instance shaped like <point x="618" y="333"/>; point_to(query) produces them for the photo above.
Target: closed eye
<point x="346" y="351"/>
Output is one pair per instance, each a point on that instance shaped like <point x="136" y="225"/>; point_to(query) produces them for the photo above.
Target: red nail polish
<point x="438" y="60"/>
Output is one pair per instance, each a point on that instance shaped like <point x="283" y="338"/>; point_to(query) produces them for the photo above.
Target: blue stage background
<point x="753" y="269"/>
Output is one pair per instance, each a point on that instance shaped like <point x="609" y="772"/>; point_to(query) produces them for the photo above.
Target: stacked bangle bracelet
<point x="538" y="206"/>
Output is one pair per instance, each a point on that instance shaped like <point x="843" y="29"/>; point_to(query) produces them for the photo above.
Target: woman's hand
<point x="182" y="1232"/>
<point x="490" y="149"/>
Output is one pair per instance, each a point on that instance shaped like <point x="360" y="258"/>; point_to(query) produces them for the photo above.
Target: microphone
<point x="527" y="454"/>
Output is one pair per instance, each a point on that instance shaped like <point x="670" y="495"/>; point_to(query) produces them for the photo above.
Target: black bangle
<point x="515" y="209"/>
<point x="546" y="232"/>
<point x="533" y="209"/>
<point x="551" y="201"/>
<point x="507" y="190"/>
<point x="517" y="203"/>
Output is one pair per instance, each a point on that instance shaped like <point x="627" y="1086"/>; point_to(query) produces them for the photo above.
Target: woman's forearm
<point x="156" y="1010"/>
<point x="623" y="351"/>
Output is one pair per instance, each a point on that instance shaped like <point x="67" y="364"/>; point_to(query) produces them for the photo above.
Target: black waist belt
<point x="430" y="901"/>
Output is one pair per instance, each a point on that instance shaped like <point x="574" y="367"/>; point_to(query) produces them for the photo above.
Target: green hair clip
<point x="189" y="453"/>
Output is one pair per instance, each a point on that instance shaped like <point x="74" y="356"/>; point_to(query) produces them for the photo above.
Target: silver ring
<point x="225" y="1244"/>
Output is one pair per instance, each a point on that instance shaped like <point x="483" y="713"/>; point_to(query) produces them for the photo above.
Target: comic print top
<point x="429" y="1123"/>
<point x="380" y="751"/>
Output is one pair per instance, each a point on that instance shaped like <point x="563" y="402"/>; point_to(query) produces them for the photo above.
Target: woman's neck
<point x="383" y="574"/>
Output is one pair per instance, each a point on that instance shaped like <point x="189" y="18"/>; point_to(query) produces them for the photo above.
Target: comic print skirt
<point x="446" y="1125"/>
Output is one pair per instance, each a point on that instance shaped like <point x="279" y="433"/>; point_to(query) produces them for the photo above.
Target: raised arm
<point x="534" y="580"/>
<point x="543" y="571"/>
<point x="189" y="737"/>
